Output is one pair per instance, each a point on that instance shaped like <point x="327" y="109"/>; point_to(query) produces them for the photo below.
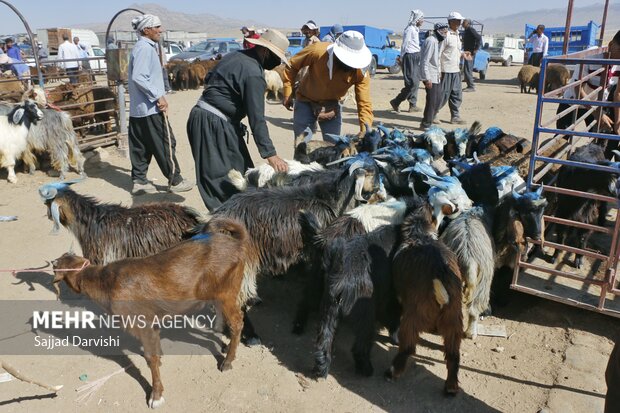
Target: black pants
<point x="411" y="76"/>
<point x="468" y="70"/>
<point x="535" y="59"/>
<point x="433" y="100"/>
<point x="72" y="72"/>
<point x="217" y="147"/>
<point x="147" y="139"/>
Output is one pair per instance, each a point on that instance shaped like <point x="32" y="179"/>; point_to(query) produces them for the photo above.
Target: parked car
<point x="207" y="50"/>
<point x="507" y="51"/>
<point x="98" y="64"/>
<point x="172" y="49"/>
<point x="295" y="41"/>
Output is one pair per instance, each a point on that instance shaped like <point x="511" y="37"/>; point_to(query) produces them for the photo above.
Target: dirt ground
<point x="554" y="356"/>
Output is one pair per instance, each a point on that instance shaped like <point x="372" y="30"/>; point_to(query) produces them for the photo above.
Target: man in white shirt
<point x="450" y="58"/>
<point x="68" y="50"/>
<point x="410" y="58"/>
<point x="540" y="46"/>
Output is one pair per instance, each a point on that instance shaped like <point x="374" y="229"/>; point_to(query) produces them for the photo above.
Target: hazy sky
<point x="385" y="13"/>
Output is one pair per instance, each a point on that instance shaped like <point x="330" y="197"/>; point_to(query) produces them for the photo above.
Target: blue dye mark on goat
<point x="201" y="237"/>
<point x="489" y="137"/>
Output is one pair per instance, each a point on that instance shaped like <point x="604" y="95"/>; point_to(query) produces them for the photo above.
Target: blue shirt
<point x="146" y="80"/>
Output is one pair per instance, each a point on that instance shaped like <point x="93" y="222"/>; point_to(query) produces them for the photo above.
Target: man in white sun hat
<point x="450" y="58"/>
<point x="234" y="89"/>
<point x="311" y="31"/>
<point x="332" y="69"/>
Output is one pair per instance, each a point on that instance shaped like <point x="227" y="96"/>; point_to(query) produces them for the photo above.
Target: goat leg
<point x="152" y="351"/>
<point x="248" y="334"/>
<point x="408" y="337"/>
<point x="234" y="318"/>
<point x="325" y="337"/>
<point x="311" y="294"/>
<point x="364" y="315"/>
<point x="452" y="346"/>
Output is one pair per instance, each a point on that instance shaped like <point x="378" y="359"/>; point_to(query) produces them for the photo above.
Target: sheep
<point x="14" y="129"/>
<point x="427" y="281"/>
<point x="274" y="84"/>
<point x="361" y="220"/>
<point x="176" y="281"/>
<point x="469" y="237"/>
<point x="528" y="78"/>
<point x="557" y="75"/>
<point x="109" y="232"/>
<point x="270" y="216"/>
<point x="588" y="211"/>
<point x="53" y="134"/>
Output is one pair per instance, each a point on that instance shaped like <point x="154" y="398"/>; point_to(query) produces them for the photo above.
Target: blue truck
<point x="581" y="38"/>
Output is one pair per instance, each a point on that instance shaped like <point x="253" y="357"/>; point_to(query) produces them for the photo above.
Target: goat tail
<point x="475" y="128"/>
<point x="237" y="179"/>
<point x="310" y="227"/>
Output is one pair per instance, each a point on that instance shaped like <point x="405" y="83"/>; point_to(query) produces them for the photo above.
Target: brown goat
<point x="175" y="281"/>
<point x="428" y="284"/>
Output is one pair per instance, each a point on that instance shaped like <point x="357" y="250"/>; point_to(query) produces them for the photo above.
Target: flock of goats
<point x="384" y="236"/>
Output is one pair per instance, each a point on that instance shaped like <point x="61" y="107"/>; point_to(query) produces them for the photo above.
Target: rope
<point x="167" y="127"/>
<point x="14" y="271"/>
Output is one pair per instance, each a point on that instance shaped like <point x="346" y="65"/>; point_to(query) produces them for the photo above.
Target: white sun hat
<point x="455" y="15"/>
<point x="351" y="49"/>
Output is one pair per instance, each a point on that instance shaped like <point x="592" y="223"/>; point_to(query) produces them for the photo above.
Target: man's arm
<point x="406" y="35"/>
<point x="141" y="75"/>
<point x="364" y="104"/>
<point x="545" y="45"/>
<point x="303" y="58"/>
<point x="427" y="53"/>
<point x="253" y="99"/>
<point x="478" y="39"/>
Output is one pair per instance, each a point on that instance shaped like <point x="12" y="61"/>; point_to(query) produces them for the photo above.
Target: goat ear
<point x="18" y="116"/>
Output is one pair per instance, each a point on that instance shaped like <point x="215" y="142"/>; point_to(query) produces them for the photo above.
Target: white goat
<point x="263" y="174"/>
<point x="274" y="83"/>
<point x="14" y="134"/>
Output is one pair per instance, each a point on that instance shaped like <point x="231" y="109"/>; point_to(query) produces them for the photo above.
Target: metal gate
<point x="595" y="286"/>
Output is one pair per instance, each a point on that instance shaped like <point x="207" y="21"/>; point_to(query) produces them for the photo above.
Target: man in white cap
<point x="149" y="133"/>
<point x="410" y="58"/>
<point x="234" y="89"/>
<point x="450" y="56"/>
<point x="311" y="31"/>
<point x="332" y="69"/>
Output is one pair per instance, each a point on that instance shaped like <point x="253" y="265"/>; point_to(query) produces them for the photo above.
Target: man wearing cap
<point x="430" y="73"/>
<point x="332" y="69"/>
<point x="410" y="57"/>
<point x="471" y="43"/>
<point x="335" y="31"/>
<point x="234" y="89"/>
<point x="311" y="31"/>
<point x="150" y="134"/>
<point x="249" y="33"/>
<point x="450" y="57"/>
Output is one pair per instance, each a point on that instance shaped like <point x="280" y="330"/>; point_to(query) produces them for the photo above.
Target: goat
<point x="109" y="232"/>
<point x="528" y="78"/>
<point x="270" y="215"/>
<point x="469" y="237"/>
<point x="478" y="183"/>
<point x="361" y="220"/>
<point x="456" y="146"/>
<point x="274" y="84"/>
<point x="53" y="134"/>
<point x="323" y="152"/>
<point x="587" y="211"/>
<point x="427" y="282"/>
<point x="265" y="176"/>
<point x="14" y="128"/>
<point x="175" y="281"/>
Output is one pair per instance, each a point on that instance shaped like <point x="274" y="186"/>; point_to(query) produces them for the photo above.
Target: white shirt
<point x="540" y="44"/>
<point x="430" y="59"/>
<point x="411" y="40"/>
<point x="450" y="53"/>
<point x="593" y="82"/>
<point x="68" y="50"/>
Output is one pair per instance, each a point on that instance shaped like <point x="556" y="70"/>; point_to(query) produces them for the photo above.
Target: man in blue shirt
<point x="150" y="134"/>
<point x="13" y="51"/>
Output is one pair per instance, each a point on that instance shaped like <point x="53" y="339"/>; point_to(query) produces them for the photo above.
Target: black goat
<point x="427" y="281"/>
<point x="110" y="232"/>
<point x="587" y="211"/>
<point x="457" y="140"/>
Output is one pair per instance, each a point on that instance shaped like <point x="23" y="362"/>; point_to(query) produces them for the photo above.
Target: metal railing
<point x="596" y="288"/>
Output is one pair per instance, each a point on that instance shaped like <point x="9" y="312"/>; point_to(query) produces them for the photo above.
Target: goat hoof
<point x="154" y="404"/>
<point x="451" y="389"/>
<point x="320" y="371"/>
<point x="251" y="341"/>
<point x="225" y="365"/>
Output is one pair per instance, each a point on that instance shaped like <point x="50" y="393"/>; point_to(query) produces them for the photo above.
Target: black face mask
<point x="269" y="60"/>
<point x="439" y="36"/>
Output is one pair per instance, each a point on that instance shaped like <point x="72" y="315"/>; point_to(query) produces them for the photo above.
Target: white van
<point x="507" y="51"/>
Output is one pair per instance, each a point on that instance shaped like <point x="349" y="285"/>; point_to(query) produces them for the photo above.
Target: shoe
<point x="469" y="89"/>
<point x="140" y="189"/>
<point x="394" y="106"/>
<point x="424" y="126"/>
<point x="414" y="108"/>
<point x="182" y="186"/>
<point x="436" y="122"/>
<point x="457" y="121"/>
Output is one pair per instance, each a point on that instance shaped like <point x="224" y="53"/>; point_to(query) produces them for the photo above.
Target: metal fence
<point x="593" y="287"/>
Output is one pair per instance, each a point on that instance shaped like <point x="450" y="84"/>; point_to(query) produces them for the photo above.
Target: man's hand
<point x="606" y="122"/>
<point x="467" y="55"/>
<point x="162" y="104"/>
<point x="428" y="84"/>
<point x="288" y="102"/>
<point x="277" y="163"/>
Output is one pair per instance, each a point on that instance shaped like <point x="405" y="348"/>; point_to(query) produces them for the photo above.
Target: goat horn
<point x="408" y="169"/>
<point x="344" y="159"/>
<point x="476" y="158"/>
<point x="48" y="191"/>
<point x="381" y="156"/>
<point x="356" y="165"/>
<point x="381" y="164"/>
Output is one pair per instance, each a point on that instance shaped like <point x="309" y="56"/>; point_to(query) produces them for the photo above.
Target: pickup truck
<point x="507" y="51"/>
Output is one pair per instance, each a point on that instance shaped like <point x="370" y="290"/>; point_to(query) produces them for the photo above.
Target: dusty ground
<point x="554" y="357"/>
